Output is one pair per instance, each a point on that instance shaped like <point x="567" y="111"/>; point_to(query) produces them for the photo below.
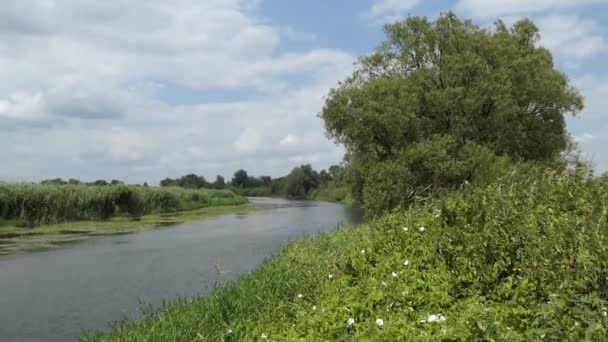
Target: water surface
<point x="57" y="295"/>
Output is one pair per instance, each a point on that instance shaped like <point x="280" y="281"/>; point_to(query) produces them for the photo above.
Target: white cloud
<point x="389" y="10"/>
<point x="495" y="8"/>
<point x="289" y="140"/>
<point x="590" y="129"/>
<point x="571" y="36"/>
<point x="84" y="76"/>
<point x="585" y="137"/>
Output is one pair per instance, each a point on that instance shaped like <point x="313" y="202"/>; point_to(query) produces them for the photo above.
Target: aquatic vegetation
<point x="36" y="204"/>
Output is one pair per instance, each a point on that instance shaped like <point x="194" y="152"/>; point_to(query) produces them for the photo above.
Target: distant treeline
<point x="301" y="182"/>
<point x="73" y="181"/>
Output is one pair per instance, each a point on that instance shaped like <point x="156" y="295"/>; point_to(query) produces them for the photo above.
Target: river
<point x="58" y="294"/>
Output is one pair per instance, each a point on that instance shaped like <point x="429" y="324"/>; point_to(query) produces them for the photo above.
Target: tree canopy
<point x="449" y="79"/>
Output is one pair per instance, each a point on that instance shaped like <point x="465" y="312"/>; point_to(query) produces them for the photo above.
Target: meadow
<point x="524" y="258"/>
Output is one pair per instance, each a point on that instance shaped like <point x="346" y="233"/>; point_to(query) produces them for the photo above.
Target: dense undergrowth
<point x="525" y="258"/>
<point x="34" y="204"/>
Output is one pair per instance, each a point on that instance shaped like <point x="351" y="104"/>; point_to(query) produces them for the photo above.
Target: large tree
<point x="450" y="79"/>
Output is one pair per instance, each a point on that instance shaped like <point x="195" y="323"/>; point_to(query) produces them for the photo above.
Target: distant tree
<point x="100" y="182"/>
<point x="74" y="181"/>
<point x="116" y="182"/>
<point x="301" y="181"/>
<point x="266" y="180"/>
<point x="219" y="183"/>
<point x="168" y="182"/>
<point x="146" y="185"/>
<point x="56" y="181"/>
<point x="325" y="177"/>
<point x="240" y="179"/>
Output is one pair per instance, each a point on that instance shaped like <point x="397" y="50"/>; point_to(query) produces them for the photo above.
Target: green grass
<point x="33" y="204"/>
<point x="523" y="259"/>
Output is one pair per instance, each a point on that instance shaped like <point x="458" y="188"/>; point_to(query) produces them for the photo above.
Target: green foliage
<point x="522" y="259"/>
<point x="428" y="168"/>
<point x="219" y="183"/>
<point x="240" y="179"/>
<point x="45" y="204"/>
<point x="301" y="181"/>
<point x="190" y="181"/>
<point x="450" y="79"/>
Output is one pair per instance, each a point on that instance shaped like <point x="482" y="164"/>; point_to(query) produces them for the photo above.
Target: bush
<point x="428" y="168"/>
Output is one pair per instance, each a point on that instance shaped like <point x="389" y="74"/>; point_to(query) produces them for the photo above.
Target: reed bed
<point x="37" y="204"/>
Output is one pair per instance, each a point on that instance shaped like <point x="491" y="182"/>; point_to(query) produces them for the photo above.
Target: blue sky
<point x="143" y="90"/>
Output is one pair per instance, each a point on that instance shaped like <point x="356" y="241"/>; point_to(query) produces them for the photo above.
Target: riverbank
<point x="523" y="259"/>
<point x="14" y="239"/>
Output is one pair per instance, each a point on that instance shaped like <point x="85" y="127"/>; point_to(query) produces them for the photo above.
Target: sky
<point x="143" y="90"/>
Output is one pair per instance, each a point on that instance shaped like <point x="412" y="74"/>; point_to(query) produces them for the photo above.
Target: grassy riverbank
<point x="521" y="259"/>
<point x="43" y="216"/>
<point x="31" y="205"/>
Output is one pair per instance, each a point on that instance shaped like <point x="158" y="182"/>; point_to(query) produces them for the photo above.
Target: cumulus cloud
<point x="495" y="8"/>
<point x="388" y="10"/>
<point x="85" y="77"/>
<point x="571" y="36"/>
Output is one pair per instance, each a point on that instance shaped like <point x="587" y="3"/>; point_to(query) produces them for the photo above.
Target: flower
<point x="264" y="336"/>
<point x="300" y="296"/>
<point x="380" y="322"/>
<point x="436" y="318"/>
<point x="422" y="229"/>
<point x="605" y="314"/>
<point x="406" y="263"/>
<point x="405" y="229"/>
<point x="383" y="283"/>
<point x="229" y="331"/>
<point x="363" y="251"/>
<point x="314" y="308"/>
<point x="331" y="276"/>
<point x="350" y="322"/>
<point x="394" y="275"/>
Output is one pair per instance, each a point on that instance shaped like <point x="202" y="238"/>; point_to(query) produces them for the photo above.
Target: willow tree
<point x="451" y="82"/>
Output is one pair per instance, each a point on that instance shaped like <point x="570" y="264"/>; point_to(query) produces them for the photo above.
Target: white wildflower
<point x="422" y="229"/>
<point x="264" y="336"/>
<point x="350" y="322"/>
<point x="380" y="322"/>
<point x="229" y="331"/>
<point x="406" y="263"/>
<point x="383" y="283"/>
<point x="576" y="324"/>
<point x="363" y="251"/>
<point x="331" y="276"/>
<point x="406" y="229"/>
<point x="314" y="308"/>
<point x="300" y="296"/>
<point x="394" y="275"/>
<point x="436" y="319"/>
<point x="605" y="314"/>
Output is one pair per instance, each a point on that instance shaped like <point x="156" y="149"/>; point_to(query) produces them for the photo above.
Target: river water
<point x="56" y="295"/>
